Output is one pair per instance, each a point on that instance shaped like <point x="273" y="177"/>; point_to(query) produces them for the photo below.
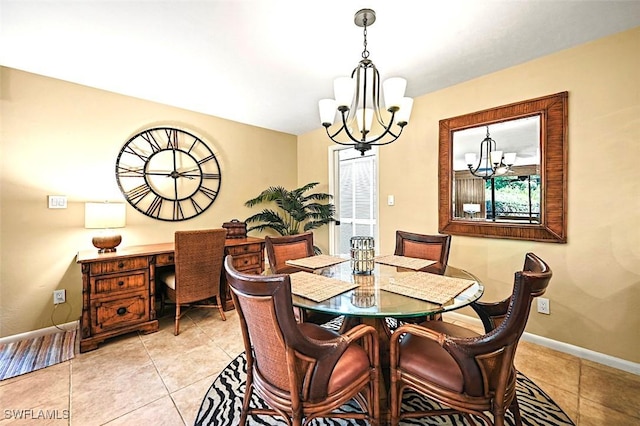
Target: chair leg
<point x="224" y="318"/>
<point x="176" y="330"/>
<point x="515" y="410"/>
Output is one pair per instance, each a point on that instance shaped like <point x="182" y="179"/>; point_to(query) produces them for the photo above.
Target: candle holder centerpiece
<point x="362" y="254"/>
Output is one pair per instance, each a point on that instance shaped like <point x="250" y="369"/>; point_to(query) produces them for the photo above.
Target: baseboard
<point x="600" y="358"/>
<point x="40" y="332"/>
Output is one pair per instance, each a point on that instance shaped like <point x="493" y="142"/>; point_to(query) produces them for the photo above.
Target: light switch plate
<point x="57" y="201"/>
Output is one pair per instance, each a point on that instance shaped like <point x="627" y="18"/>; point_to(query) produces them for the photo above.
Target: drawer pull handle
<point x="120" y="283"/>
<point x="120" y="265"/>
<point x="171" y="258"/>
<point x="121" y="311"/>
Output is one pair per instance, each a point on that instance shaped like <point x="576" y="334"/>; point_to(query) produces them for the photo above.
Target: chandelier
<point x="357" y="100"/>
<point x="492" y="162"/>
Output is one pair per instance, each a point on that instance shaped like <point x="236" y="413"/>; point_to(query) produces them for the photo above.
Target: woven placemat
<point x="404" y="261"/>
<point x="316" y="262"/>
<point x="317" y="287"/>
<point x="430" y="287"/>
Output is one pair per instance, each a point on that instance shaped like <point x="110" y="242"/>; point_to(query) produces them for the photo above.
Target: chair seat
<point x="441" y="369"/>
<point x="353" y="363"/>
<point x="168" y="278"/>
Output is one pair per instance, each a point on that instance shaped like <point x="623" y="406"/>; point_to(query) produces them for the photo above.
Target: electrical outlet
<point x="543" y="306"/>
<point x="59" y="296"/>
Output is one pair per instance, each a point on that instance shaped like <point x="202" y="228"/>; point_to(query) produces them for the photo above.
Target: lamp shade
<point x="104" y="215"/>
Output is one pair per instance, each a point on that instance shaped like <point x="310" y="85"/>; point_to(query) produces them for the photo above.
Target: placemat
<point x="317" y="287"/>
<point x="430" y="287"/>
<point x="316" y="262"/>
<point x="404" y="261"/>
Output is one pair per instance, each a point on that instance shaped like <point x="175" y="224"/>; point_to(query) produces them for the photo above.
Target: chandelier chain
<point x="365" y="52"/>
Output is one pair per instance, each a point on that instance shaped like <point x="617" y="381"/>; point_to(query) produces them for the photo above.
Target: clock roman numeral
<point x="211" y="176"/>
<point x="154" y="208"/>
<point x="125" y="171"/>
<point x="196" y="206"/>
<point x="208" y="192"/>
<point x="205" y="159"/>
<point x="129" y="150"/>
<point x="148" y="136"/>
<point x="136" y="194"/>
<point x="172" y="138"/>
<point x="178" y="213"/>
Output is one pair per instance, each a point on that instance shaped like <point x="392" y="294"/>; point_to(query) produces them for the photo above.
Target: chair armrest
<point x="369" y="337"/>
<point x="491" y="314"/>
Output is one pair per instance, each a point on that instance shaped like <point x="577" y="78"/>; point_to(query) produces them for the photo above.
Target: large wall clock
<point x="168" y="174"/>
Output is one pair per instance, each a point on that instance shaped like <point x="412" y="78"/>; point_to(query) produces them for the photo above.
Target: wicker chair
<point x="289" y="247"/>
<point x="430" y="247"/>
<point x="302" y="371"/>
<point x="468" y="372"/>
<point x="198" y="268"/>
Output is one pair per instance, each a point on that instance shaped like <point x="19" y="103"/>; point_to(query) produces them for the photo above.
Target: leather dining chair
<point x="422" y="246"/>
<point x="301" y="371"/>
<point x="429" y="247"/>
<point x="195" y="280"/>
<point x="460" y="369"/>
<point x="289" y="247"/>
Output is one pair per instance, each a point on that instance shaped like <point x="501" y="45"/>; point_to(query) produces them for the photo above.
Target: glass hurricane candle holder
<point x="362" y="254"/>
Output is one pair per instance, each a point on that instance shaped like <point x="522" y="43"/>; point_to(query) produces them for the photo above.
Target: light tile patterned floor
<point x="160" y="379"/>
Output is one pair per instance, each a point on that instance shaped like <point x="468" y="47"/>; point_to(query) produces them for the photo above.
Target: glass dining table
<point x="368" y="303"/>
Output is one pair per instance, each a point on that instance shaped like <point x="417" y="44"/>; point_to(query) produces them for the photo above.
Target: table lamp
<point x="471" y="209"/>
<point x="105" y="216"/>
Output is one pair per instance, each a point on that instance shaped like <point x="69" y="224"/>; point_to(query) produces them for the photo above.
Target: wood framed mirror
<point x="519" y="191"/>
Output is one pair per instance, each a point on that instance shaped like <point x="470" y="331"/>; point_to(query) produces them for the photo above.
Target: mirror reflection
<point x="496" y="172"/>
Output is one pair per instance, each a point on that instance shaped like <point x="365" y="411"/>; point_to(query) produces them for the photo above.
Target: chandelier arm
<point x="346" y="129"/>
<point x="331" y="136"/>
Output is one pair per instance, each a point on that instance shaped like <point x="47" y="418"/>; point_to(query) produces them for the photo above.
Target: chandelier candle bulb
<point x="343" y="88"/>
<point x="327" y="109"/>
<point x="403" y="114"/>
<point x="394" y="92"/>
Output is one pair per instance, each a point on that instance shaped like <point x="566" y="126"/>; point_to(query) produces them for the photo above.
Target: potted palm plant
<point x="298" y="211"/>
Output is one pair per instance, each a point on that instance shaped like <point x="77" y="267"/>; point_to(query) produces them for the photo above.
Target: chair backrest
<point x="288" y="247"/>
<point x="271" y="334"/>
<point x="501" y="342"/>
<point x="198" y="264"/>
<point x="430" y="247"/>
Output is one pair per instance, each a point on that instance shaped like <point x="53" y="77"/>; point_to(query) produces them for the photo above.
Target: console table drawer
<point x="118" y="265"/>
<point x="111" y="314"/>
<point x="244" y="249"/>
<point x="249" y="261"/>
<point x="108" y="285"/>
<point x="164" y="259"/>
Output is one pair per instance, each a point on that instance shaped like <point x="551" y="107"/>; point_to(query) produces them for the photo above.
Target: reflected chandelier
<point x="492" y="162"/>
<point x="357" y="100"/>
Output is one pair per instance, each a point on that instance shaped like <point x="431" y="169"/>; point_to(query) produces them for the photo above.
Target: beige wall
<point x="63" y="139"/>
<point x="595" y="291"/>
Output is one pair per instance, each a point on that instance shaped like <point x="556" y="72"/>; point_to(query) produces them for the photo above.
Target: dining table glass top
<point x="369" y="300"/>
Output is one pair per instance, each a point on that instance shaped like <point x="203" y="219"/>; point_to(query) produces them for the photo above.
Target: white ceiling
<point x="268" y="62"/>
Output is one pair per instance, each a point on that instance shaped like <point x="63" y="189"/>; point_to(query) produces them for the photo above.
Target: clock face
<point x="168" y="174"/>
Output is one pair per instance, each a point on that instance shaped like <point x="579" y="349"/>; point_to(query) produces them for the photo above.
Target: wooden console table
<point x="118" y="289"/>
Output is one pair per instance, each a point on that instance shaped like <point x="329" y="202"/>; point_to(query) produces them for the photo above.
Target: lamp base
<point x="106" y="243"/>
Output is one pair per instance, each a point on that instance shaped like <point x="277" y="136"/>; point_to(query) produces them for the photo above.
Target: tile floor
<point x="160" y="379"/>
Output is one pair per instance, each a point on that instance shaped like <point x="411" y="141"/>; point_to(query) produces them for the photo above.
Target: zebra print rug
<point x="222" y="403"/>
